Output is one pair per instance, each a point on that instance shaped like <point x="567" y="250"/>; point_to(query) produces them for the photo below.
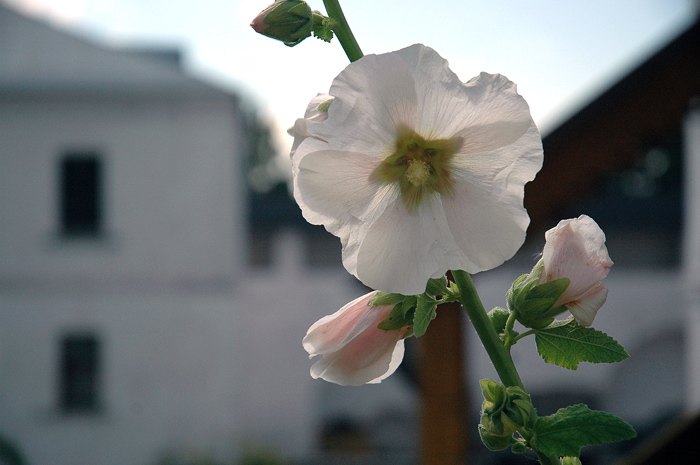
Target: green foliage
<point x="401" y="316"/>
<point x="569" y="429"/>
<point x="385" y="298"/>
<point x="425" y="311"/>
<point x="493" y="441"/>
<point x="534" y="303"/>
<point x="499" y="318"/>
<point x="566" y="343"/>
<point x="322" y="27"/>
<point x="415" y="310"/>
<point x="436" y="287"/>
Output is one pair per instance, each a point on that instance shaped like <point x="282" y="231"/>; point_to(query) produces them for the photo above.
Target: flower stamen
<point x="419" y="166"/>
<point x="418" y="172"/>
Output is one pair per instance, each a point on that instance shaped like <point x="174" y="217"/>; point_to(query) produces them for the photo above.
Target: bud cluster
<point x="505" y="410"/>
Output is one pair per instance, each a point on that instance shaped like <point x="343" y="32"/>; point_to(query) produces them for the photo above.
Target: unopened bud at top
<point x="290" y="21"/>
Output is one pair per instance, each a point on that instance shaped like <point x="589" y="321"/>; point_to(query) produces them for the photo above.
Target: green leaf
<point x="425" y="312"/>
<point x="570" y="428"/>
<point x="565" y="343"/>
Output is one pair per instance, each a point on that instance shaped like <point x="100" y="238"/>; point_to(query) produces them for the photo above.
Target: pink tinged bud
<point x="575" y="249"/>
<point x="290" y="21"/>
<point x="258" y="25"/>
<point x="354" y="350"/>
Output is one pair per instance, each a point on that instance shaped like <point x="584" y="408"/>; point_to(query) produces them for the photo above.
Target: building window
<point x="79" y="374"/>
<point x="81" y="195"/>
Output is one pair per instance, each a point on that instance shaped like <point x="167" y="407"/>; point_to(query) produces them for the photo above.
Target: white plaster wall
<point x="171" y="189"/>
<point x="171" y="369"/>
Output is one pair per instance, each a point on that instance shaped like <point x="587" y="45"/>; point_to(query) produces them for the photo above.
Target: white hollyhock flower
<point x="355" y="351"/>
<point x="416" y="172"/>
<point x="575" y="249"/>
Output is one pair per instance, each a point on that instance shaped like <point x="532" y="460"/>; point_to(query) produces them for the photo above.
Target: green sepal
<point x="400" y="317"/>
<point x="532" y="302"/>
<point x="289" y="21"/>
<point x="519" y="447"/>
<point x="426" y="307"/>
<point x="385" y="298"/>
<point x="570" y="428"/>
<point x="566" y="343"/>
<point x="325" y="105"/>
<point x="494" y="442"/>
<point x="493" y="391"/>
<point x="436" y="287"/>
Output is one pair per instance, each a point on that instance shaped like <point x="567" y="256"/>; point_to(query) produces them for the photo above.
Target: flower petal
<point x="334" y="189"/>
<point x="485" y="213"/>
<point x="401" y="250"/>
<point x="368" y="358"/>
<point x="332" y="332"/>
<point x="585" y="309"/>
<point x="474" y="225"/>
<point x="312" y="115"/>
<point x="575" y="249"/>
<point x="357" y="90"/>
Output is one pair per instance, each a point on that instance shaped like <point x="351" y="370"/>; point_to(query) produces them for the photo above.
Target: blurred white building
<point x="133" y="328"/>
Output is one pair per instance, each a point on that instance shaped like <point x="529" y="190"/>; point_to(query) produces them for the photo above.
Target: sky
<point x="561" y="53"/>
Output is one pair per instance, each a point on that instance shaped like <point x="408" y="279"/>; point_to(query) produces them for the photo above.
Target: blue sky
<point x="559" y="52"/>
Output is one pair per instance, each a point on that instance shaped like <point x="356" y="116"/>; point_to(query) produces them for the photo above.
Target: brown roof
<point x="607" y="134"/>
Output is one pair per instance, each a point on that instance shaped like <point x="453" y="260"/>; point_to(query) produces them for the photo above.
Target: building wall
<point x="170" y="188"/>
<point x="169" y="372"/>
<point x="158" y="288"/>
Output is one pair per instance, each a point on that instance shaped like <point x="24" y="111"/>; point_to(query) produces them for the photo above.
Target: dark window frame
<point x="81" y="194"/>
<point x="79" y="373"/>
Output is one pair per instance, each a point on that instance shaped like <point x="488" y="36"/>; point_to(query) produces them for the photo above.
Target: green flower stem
<point x="342" y="30"/>
<point x="499" y="355"/>
<point x="520" y="336"/>
<point x="509" y="341"/>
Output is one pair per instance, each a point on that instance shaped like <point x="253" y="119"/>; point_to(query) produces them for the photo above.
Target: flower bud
<point x="519" y="447"/>
<point x="493" y="391"/>
<point x="494" y="442"/>
<point x="533" y="302"/>
<point x="505" y="410"/>
<point x="290" y="21"/>
<point x="499" y="318"/>
<point x="575" y="249"/>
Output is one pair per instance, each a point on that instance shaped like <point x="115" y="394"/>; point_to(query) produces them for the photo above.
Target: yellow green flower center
<point x="419" y="166"/>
